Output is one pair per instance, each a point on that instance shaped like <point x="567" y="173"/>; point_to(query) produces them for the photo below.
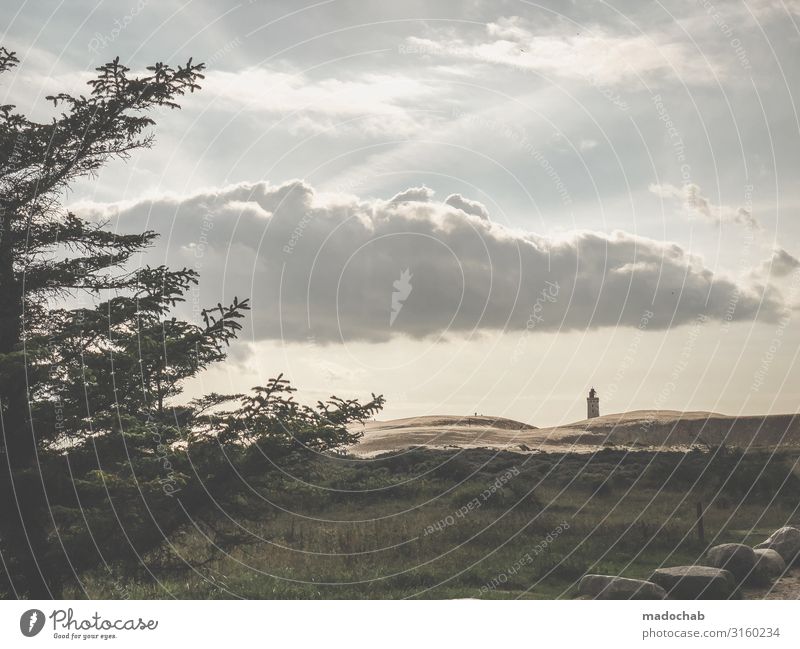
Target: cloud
<point x="597" y="53"/>
<point x="412" y="195"/>
<point x="466" y="205"/>
<point x="323" y="267"/>
<point x="776" y="8"/>
<point x="380" y="102"/>
<point x="780" y="264"/>
<point x="699" y="206"/>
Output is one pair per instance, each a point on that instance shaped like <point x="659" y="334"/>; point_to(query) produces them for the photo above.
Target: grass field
<point x="471" y="523"/>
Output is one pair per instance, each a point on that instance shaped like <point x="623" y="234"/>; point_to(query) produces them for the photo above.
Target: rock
<point x="610" y="587"/>
<point x="769" y="565"/>
<point x="695" y="582"/>
<point x="737" y="558"/>
<point x="785" y="541"/>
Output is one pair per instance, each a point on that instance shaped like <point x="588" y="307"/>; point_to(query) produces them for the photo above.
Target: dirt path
<point x="787" y="587"/>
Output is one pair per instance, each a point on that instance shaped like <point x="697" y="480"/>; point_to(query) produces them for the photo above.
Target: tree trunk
<point x="23" y="504"/>
<point x="26" y="555"/>
<point x="13" y="393"/>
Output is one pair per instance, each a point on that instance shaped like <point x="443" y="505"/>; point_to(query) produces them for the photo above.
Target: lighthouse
<point x="592" y="404"/>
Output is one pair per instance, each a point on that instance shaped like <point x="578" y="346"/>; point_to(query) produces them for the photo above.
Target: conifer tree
<point x="101" y="461"/>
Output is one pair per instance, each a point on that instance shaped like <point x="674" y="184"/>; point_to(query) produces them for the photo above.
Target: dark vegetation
<point x="390" y="527"/>
<point x="101" y="459"/>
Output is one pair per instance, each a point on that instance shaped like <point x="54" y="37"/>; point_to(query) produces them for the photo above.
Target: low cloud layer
<point x="338" y="268"/>
<point x="699" y="206"/>
<point x="376" y="103"/>
<point x="561" y="48"/>
<point x="780" y="264"/>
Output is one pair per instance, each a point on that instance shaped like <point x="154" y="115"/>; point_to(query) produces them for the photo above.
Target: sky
<point x="473" y="206"/>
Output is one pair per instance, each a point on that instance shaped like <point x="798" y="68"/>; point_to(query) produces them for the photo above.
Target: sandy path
<point x="787" y="587"/>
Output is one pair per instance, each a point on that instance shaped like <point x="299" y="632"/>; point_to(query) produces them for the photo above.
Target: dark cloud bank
<point x="326" y="267"/>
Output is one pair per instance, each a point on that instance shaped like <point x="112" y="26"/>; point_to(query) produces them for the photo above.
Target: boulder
<point x="695" y="582"/>
<point x="769" y="565"/>
<point x="737" y="558"/>
<point x="610" y="587"/>
<point x="785" y="541"/>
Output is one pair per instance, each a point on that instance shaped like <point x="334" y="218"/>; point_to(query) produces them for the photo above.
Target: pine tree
<point x="48" y="254"/>
<point x="102" y="461"/>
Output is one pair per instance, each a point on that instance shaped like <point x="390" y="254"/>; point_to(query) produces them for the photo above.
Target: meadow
<point x="469" y="523"/>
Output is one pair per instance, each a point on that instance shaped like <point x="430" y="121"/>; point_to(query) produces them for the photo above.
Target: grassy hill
<point x="482" y="523"/>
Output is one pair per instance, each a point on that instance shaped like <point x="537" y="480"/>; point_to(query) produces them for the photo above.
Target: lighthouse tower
<point x="592" y="404"/>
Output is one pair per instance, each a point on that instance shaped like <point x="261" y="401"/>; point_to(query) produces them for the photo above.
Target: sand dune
<point x="637" y="429"/>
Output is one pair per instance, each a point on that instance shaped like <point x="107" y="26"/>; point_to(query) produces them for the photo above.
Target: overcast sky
<point x="467" y="206"/>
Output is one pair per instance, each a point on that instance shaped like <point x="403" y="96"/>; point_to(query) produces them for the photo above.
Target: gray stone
<point x="695" y="582"/>
<point x="737" y="558"/>
<point x="769" y="565"/>
<point x="610" y="587"/>
<point x="785" y="541"/>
